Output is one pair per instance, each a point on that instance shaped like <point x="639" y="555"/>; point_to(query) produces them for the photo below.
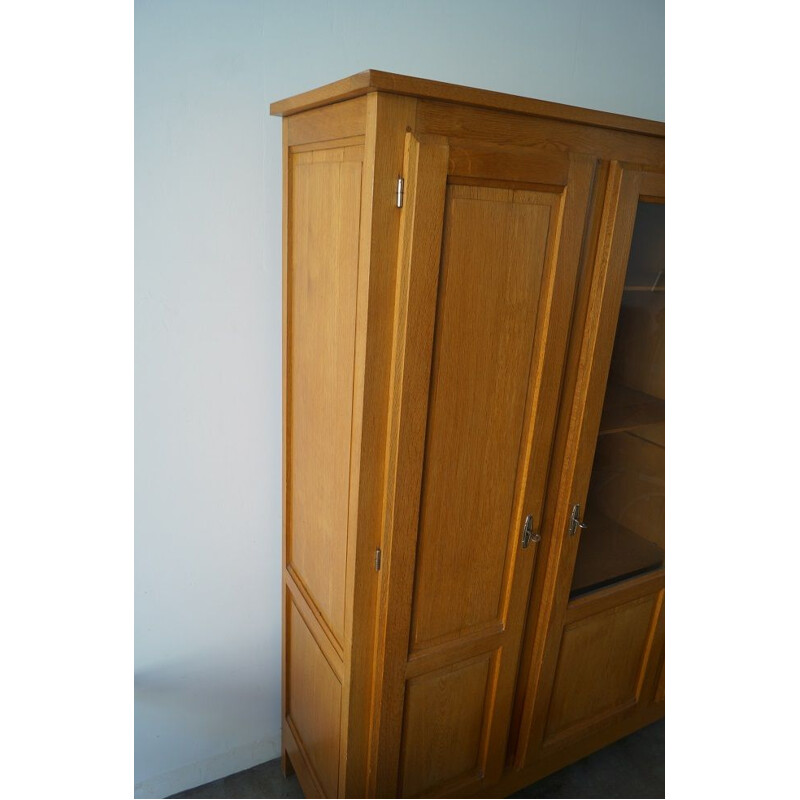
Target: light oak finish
<point x="388" y="119"/>
<point x="591" y="359"/>
<point x="550" y="137"/>
<point x="614" y="643"/>
<point x="328" y="124"/>
<point x="501" y="318"/>
<point x="444" y="372"/>
<point x="314" y="695"/>
<point x="587" y="371"/>
<point x="326" y="203"/>
<point x="424" y="168"/>
<point x="373" y="80"/>
<point x="493" y="260"/>
<point x="443" y="736"/>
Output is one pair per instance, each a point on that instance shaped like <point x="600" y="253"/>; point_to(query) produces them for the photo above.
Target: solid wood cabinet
<point x="471" y="359"/>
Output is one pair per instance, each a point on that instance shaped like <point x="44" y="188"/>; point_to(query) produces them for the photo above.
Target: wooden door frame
<point x="425" y="171"/>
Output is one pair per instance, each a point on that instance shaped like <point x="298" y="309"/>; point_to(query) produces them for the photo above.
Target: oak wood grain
<point x="600" y="667"/>
<point x="375" y="80"/>
<point x="387" y="119"/>
<point x="538" y="374"/>
<point x="314" y="700"/>
<point x="416" y="287"/>
<point x="546" y="136"/>
<point x="493" y="260"/>
<point x="445" y="727"/>
<point x="580" y="418"/>
<point x="446" y="410"/>
<point x="326" y="203"/>
<point x="325" y="124"/>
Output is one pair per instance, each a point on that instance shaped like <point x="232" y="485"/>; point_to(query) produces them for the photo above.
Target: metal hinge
<point x="400" y="186"/>
<point x="377" y="559"/>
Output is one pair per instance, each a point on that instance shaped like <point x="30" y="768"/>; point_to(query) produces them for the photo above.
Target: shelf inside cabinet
<point x="610" y="552"/>
<point x="627" y="409"/>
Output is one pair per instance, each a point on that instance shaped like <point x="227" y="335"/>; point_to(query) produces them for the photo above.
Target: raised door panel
<point x="444" y="728"/>
<point x="601" y="666"/>
<point x="485" y="289"/>
<point x="325" y="198"/>
<point x="493" y="257"/>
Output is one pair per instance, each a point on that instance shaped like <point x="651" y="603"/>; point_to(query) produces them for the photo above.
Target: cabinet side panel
<point x="313" y="704"/>
<point x="324" y="235"/>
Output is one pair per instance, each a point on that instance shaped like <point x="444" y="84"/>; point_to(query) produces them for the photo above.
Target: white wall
<point x="208" y="309"/>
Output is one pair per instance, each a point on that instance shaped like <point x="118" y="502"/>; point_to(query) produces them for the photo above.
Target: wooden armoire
<point x="473" y="383"/>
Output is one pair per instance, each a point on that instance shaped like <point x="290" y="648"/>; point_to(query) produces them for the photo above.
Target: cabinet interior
<point x="625" y="503"/>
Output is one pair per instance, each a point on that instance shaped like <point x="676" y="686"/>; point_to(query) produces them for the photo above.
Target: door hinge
<point x="400" y="186"/>
<point x="377" y="559"/>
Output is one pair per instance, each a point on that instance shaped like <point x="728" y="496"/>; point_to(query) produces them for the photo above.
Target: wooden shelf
<point x="626" y="409"/>
<point x="609" y="552"/>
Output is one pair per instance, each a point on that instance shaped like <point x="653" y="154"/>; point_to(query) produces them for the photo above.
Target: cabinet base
<point x="293" y="757"/>
<point x="556" y="759"/>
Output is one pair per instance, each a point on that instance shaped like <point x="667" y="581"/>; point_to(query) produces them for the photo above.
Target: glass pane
<point x="625" y="504"/>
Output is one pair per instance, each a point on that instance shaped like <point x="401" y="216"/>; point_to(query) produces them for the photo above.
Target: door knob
<point x="575" y="523"/>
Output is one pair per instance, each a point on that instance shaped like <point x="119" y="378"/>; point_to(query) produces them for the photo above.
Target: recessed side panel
<point x="325" y="201"/>
<point x="495" y="244"/>
<point x="313" y="703"/>
<point x="601" y="666"/>
<point x="444" y="727"/>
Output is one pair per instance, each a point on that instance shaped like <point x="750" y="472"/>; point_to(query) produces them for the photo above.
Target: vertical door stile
<point x="415" y="309"/>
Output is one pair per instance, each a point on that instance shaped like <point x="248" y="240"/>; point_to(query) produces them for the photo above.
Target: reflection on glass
<point x="625" y="504"/>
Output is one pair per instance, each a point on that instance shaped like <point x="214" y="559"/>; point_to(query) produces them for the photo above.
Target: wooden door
<point x="594" y="670"/>
<point x="490" y="244"/>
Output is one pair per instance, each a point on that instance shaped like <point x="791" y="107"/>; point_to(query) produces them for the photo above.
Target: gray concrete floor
<point x="632" y="767"/>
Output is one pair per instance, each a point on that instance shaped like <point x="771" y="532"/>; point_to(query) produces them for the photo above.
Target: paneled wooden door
<point x="490" y="245"/>
<point x="596" y="671"/>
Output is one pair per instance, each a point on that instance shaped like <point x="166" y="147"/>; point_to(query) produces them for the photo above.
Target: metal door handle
<point x="528" y="534"/>
<point x="575" y="523"/>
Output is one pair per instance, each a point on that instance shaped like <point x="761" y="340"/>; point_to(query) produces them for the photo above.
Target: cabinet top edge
<point x="372" y="80"/>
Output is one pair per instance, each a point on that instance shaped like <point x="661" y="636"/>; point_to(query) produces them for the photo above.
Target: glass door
<point x="624" y="514"/>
